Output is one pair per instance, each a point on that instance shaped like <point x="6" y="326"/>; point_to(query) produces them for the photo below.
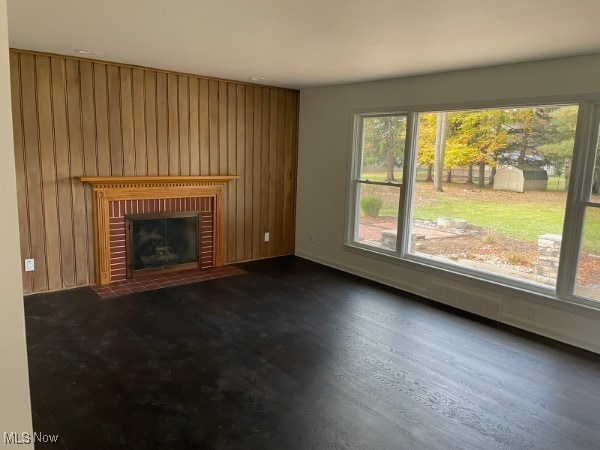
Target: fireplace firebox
<point x="163" y="242"/>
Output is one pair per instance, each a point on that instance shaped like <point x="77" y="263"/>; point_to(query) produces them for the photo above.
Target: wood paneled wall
<point x="76" y="117"/>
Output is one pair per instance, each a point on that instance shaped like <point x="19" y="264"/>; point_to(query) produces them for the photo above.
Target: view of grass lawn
<point x="518" y="221"/>
<point x="514" y="215"/>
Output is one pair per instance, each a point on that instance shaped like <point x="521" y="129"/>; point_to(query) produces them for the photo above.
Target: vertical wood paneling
<point x="280" y="155"/>
<point x="213" y="118"/>
<point x="33" y="172"/>
<point x="139" y="123"/>
<point x="150" y="120"/>
<point x="264" y="170"/>
<point x="75" y="117"/>
<point x="204" y="127"/>
<point x="118" y="162"/>
<point x="20" y="168"/>
<point x="184" y="126"/>
<point x="63" y="175"/>
<point x="272" y="167"/>
<point x="194" y="131"/>
<point x="223" y="149"/>
<point x="90" y="155"/>
<point x="240" y="158"/>
<point x="256" y="156"/>
<point x="127" y="129"/>
<point x="162" y="124"/>
<point x="231" y="239"/>
<point x="248" y="175"/>
<point x="80" y="230"/>
<point x="173" y="131"/>
<point x="103" y="149"/>
<point x="47" y="161"/>
<point x="288" y="173"/>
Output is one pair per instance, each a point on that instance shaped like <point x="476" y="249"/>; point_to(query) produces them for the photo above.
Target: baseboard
<point x="507" y="319"/>
<point x="537" y="328"/>
<point x="411" y="288"/>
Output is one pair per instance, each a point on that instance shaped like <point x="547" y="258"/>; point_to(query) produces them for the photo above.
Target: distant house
<point x="520" y="179"/>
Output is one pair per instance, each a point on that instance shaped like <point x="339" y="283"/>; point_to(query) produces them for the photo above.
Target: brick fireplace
<point x="118" y="197"/>
<point x="119" y="209"/>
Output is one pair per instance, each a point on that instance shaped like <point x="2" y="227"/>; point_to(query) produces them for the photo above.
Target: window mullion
<point x="408" y="176"/>
<point x="584" y="152"/>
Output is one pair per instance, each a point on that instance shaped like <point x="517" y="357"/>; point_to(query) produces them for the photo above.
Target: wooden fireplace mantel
<point x="107" y="189"/>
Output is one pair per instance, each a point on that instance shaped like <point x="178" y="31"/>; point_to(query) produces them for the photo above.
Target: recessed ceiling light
<point x="84" y="52"/>
<point x="256" y="78"/>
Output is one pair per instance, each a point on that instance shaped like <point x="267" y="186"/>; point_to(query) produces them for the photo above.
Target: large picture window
<point x="491" y="189"/>
<point x="487" y="192"/>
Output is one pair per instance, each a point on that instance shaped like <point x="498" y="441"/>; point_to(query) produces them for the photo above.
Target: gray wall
<point x="323" y="177"/>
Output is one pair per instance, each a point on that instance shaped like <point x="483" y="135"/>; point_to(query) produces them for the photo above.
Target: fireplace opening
<point x="163" y="242"/>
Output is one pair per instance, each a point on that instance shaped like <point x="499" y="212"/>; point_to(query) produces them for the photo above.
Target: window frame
<point x="352" y="226"/>
<point x="584" y="151"/>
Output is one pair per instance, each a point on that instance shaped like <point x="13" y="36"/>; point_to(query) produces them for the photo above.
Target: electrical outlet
<point x="267" y="237"/>
<point x="29" y="265"/>
<point x="312" y="238"/>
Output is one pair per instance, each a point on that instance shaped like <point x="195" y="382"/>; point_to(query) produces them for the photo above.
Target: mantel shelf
<point x="128" y="181"/>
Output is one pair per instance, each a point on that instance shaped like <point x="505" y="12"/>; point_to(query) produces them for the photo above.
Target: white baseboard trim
<point x="413" y="289"/>
<point x="551" y="333"/>
<point x="517" y="322"/>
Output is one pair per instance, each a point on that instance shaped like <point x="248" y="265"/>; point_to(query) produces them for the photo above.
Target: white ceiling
<point x="307" y="43"/>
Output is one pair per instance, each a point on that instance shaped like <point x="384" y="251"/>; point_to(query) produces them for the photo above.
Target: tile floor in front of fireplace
<point x="151" y="282"/>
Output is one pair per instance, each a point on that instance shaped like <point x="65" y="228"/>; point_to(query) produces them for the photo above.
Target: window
<point x="484" y="192"/>
<point x="378" y="180"/>
<point x="587" y="284"/>
<point x="491" y="189"/>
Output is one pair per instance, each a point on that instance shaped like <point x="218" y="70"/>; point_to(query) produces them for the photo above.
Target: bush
<point x="371" y="206"/>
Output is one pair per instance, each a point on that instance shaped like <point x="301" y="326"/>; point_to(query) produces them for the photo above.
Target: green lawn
<point x="522" y="221"/>
<point x="518" y="220"/>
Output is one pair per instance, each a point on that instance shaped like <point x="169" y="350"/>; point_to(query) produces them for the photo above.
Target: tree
<point x="384" y="141"/>
<point x="560" y="140"/>
<point x="478" y="137"/>
<point x="440" y="147"/>
<point x="528" y="130"/>
<point x="427" y="133"/>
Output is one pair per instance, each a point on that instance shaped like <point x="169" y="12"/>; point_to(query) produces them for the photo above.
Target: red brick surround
<point x="119" y="208"/>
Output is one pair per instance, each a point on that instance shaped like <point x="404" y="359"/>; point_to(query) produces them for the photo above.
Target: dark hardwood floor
<point x="296" y="355"/>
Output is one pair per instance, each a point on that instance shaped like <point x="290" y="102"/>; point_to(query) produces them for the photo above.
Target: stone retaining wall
<point x="546" y="269"/>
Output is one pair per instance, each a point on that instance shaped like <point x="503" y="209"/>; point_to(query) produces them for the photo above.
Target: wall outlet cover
<point x="29" y="265"/>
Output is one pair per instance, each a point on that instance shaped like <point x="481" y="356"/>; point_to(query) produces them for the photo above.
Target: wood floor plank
<point x="293" y="354"/>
